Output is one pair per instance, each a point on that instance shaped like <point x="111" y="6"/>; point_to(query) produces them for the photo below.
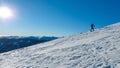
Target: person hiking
<point x="92" y="27"/>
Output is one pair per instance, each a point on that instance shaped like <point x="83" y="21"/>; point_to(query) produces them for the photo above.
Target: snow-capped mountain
<point x="98" y="49"/>
<point x="8" y="43"/>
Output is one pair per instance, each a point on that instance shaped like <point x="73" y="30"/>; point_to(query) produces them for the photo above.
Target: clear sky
<point x="58" y="17"/>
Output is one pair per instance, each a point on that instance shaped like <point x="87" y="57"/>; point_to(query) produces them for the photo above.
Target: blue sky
<point x="58" y="17"/>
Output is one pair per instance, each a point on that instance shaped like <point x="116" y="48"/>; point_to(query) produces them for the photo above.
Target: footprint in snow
<point x="75" y="57"/>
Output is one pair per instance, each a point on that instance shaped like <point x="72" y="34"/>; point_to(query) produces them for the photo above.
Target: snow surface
<point x="98" y="49"/>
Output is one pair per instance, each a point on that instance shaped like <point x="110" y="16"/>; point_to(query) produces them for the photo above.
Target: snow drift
<point x="98" y="49"/>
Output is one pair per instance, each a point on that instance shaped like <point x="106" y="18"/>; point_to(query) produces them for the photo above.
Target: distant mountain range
<point x="8" y="43"/>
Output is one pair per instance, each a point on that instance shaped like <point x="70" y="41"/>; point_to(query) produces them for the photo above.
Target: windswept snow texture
<point x="98" y="49"/>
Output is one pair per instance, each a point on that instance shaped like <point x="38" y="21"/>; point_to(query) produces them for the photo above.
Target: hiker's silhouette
<point x="92" y="27"/>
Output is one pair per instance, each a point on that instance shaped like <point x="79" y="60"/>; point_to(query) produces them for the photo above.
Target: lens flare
<point x="5" y="12"/>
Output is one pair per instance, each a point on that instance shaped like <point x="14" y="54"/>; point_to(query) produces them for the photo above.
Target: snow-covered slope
<point x="98" y="49"/>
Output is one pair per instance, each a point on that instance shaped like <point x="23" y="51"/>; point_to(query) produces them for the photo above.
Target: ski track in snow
<point x="98" y="49"/>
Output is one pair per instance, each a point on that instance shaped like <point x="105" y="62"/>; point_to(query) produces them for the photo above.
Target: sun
<point x="5" y="12"/>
